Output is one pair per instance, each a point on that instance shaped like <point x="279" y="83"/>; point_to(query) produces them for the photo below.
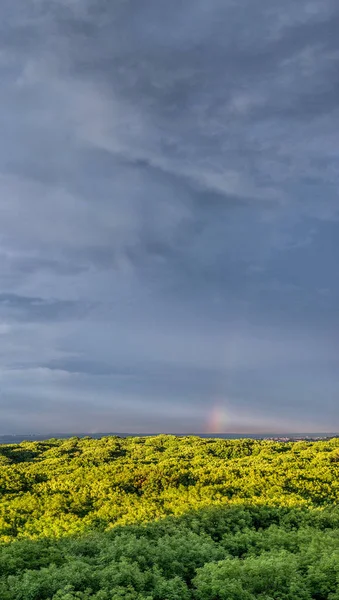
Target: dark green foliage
<point x="235" y="553"/>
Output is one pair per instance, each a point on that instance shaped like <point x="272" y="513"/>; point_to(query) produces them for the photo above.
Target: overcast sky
<point x="169" y="215"/>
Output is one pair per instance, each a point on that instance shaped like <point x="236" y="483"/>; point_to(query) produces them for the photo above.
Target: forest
<point x="166" y="517"/>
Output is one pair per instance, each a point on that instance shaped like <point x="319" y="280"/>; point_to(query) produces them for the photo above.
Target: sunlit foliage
<point x="62" y="487"/>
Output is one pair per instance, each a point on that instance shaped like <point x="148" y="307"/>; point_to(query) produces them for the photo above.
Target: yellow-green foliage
<point x="60" y="487"/>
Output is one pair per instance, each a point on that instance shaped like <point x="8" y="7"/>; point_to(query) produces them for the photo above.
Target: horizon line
<point x="140" y="434"/>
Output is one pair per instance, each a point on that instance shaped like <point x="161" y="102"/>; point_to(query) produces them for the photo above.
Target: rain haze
<point x="169" y="233"/>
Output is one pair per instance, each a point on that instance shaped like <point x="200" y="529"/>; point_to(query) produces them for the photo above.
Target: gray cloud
<point x="168" y="214"/>
<point x="38" y="309"/>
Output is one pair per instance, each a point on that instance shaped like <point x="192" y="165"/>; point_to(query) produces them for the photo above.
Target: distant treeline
<point x="61" y="487"/>
<point x="17" y="438"/>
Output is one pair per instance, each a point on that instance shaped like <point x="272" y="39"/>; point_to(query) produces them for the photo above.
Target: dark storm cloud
<point x="169" y="214"/>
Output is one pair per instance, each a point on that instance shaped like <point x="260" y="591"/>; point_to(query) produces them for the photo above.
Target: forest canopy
<point x="163" y="517"/>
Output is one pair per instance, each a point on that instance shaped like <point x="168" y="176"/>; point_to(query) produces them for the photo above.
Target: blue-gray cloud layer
<point x="169" y="232"/>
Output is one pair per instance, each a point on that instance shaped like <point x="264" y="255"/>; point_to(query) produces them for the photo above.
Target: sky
<point x="169" y="216"/>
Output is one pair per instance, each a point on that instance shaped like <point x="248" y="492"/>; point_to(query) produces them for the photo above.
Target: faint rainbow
<point x="216" y="420"/>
